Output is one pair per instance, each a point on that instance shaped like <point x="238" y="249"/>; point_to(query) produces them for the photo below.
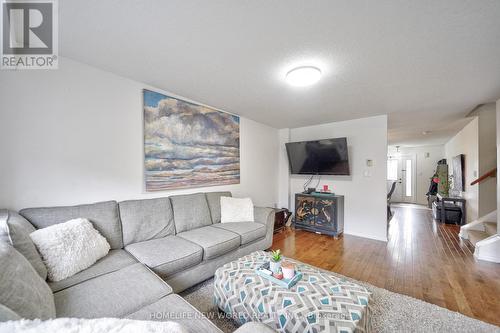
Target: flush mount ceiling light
<point x="303" y="76"/>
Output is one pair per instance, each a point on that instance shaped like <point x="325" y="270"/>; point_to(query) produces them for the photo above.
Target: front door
<point x="401" y="169"/>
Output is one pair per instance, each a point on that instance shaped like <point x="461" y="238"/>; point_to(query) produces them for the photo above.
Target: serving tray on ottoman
<point x="285" y="283"/>
<point x="319" y="302"/>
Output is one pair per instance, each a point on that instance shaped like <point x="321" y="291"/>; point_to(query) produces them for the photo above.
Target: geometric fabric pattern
<point x="319" y="302"/>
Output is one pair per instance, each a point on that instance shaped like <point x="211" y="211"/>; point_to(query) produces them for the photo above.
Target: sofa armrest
<point x="253" y="327"/>
<point x="264" y="215"/>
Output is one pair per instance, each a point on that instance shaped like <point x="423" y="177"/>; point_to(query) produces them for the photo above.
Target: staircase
<point x="475" y="236"/>
<point x="483" y="234"/>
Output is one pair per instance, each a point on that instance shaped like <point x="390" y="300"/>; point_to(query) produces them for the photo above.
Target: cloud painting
<point x="188" y="145"/>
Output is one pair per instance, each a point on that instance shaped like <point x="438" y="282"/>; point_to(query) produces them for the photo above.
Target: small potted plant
<point x="288" y="269"/>
<point x="275" y="262"/>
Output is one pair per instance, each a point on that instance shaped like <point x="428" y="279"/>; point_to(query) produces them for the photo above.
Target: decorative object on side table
<point x="442" y="175"/>
<point x="275" y="262"/>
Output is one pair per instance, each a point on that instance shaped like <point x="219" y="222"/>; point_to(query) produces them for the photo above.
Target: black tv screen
<point x="321" y="157"/>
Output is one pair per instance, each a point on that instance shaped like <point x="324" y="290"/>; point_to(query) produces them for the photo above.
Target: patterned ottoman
<point x="320" y="302"/>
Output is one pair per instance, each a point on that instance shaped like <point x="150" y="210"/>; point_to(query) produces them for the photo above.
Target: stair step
<point x="476" y="235"/>
<point x="490" y="228"/>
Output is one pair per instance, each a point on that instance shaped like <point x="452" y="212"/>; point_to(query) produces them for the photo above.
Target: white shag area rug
<point x="102" y="325"/>
<point x="391" y="312"/>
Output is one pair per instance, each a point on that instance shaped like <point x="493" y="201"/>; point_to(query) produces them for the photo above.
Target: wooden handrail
<point x="491" y="173"/>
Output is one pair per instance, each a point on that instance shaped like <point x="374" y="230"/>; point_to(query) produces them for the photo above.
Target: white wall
<point x="487" y="157"/>
<point x="498" y="163"/>
<point x="283" y="170"/>
<point x="365" y="212"/>
<point x="75" y="135"/>
<point x="466" y="142"/>
<point x="426" y="158"/>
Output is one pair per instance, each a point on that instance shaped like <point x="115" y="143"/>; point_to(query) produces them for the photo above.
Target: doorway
<point x="401" y="169"/>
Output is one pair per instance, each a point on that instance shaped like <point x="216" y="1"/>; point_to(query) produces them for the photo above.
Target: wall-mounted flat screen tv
<point x="321" y="157"/>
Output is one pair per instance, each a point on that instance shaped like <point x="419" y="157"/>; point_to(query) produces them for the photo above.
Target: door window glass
<point x="408" y="181"/>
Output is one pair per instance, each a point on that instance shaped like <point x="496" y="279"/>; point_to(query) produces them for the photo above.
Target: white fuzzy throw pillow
<point x="236" y="210"/>
<point x="70" y="247"/>
<point x="101" y="325"/>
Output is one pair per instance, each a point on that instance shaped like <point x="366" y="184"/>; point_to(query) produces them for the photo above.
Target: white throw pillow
<point x="236" y="210"/>
<point x="100" y="325"/>
<point x="70" y="247"/>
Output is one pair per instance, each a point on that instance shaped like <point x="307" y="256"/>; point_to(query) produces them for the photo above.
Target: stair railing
<point x="491" y="173"/>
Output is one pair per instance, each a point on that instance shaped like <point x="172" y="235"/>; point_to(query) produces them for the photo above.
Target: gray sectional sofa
<point x="159" y="247"/>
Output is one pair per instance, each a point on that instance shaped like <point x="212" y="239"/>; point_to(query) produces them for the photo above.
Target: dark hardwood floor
<point x="423" y="259"/>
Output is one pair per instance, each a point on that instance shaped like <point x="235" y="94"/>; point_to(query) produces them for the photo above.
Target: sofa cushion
<point x="175" y="308"/>
<point x="214" y="241"/>
<point x="22" y="290"/>
<point x="115" y="294"/>
<point x="103" y="215"/>
<point x="16" y="230"/>
<point x="248" y="231"/>
<point x="213" y="199"/>
<point x="115" y="260"/>
<point x="190" y="211"/>
<point x="166" y="255"/>
<point x="143" y="220"/>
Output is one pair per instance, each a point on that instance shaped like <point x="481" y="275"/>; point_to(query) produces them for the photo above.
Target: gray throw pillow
<point x="22" y="290"/>
<point x="16" y="230"/>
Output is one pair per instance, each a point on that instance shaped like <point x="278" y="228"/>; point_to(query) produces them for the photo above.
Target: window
<point x="408" y="179"/>
<point x="392" y="169"/>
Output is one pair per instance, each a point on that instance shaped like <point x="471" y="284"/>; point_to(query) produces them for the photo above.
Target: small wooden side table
<point x="454" y="200"/>
<point x="280" y="219"/>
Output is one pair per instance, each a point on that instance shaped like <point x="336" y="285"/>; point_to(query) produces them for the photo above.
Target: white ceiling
<point x="426" y="63"/>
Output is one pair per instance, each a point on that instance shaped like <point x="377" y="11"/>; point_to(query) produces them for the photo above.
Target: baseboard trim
<point x="365" y="236"/>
